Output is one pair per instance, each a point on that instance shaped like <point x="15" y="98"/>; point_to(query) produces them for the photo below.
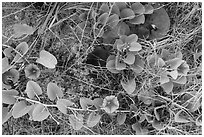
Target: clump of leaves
<point x="172" y="69"/>
<point x="127" y="49"/>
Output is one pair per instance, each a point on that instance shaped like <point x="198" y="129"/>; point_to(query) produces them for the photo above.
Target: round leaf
<point x="135" y="46"/>
<point x="98" y="102"/>
<point x="21" y="29"/>
<point x="33" y="89"/>
<point x="93" y="119"/>
<point x="127" y="14"/>
<point x="110" y="65"/>
<point x="131" y="38"/>
<point x="47" y="59"/>
<point x="161" y="20"/>
<point x="113" y="20"/>
<point x="8" y="96"/>
<point x="76" y="122"/>
<point x="121" y="5"/>
<point x="130" y="58"/>
<point x="148" y="9"/>
<point x="138" y="19"/>
<point x="138" y="8"/>
<point x="104" y="8"/>
<point x="20" y="109"/>
<point x="40" y="113"/>
<point x="84" y="102"/>
<point x="103" y="18"/>
<point x="121" y="117"/>
<point x="53" y="91"/>
<point x="62" y="105"/>
<point x="123" y="29"/>
<point x="115" y="10"/>
<point x="129" y="86"/>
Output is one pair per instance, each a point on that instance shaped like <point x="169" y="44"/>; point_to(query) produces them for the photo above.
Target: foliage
<point x="148" y="84"/>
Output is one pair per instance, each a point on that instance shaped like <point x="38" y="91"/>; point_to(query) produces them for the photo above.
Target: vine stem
<point x="71" y="108"/>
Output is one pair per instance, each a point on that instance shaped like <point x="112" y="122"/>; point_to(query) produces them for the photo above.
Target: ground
<point x="78" y="79"/>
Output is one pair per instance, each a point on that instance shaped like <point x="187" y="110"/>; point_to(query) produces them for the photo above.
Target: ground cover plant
<point x="123" y="68"/>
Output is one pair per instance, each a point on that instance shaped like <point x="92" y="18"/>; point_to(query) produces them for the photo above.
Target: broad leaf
<point x="119" y="65"/>
<point x="179" y="118"/>
<point x="113" y="20"/>
<point x="8" y="96"/>
<point x="20" y="109"/>
<point x="8" y="52"/>
<point x="164" y="78"/>
<point x="138" y="65"/>
<point x="138" y="19"/>
<point x="135" y="46"/>
<point x="180" y="80"/>
<point x="138" y="8"/>
<point x="123" y="29"/>
<point x="148" y="9"/>
<point x="174" y="63"/>
<point x="22" y="48"/>
<point x="115" y="10"/>
<point x="139" y="130"/>
<point x="53" y="91"/>
<point x="85" y="102"/>
<point x="168" y="87"/>
<point x="121" y="117"/>
<point x="173" y="74"/>
<point x="131" y="38"/>
<point x="83" y="16"/>
<point x="104" y="8"/>
<point x="93" y="119"/>
<point x="103" y="18"/>
<point x="157" y="124"/>
<point x="129" y="86"/>
<point x="21" y="29"/>
<point x="40" y="112"/>
<point x="76" y="122"/>
<point x="130" y="58"/>
<point x="62" y="105"/>
<point x="121" y="5"/>
<point x="98" y="102"/>
<point x="46" y="59"/>
<point x="127" y="14"/>
<point x="110" y="65"/>
<point x="6" y="114"/>
<point x="33" y="89"/>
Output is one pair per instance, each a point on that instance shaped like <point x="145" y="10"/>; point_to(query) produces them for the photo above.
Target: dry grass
<point x="62" y="40"/>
